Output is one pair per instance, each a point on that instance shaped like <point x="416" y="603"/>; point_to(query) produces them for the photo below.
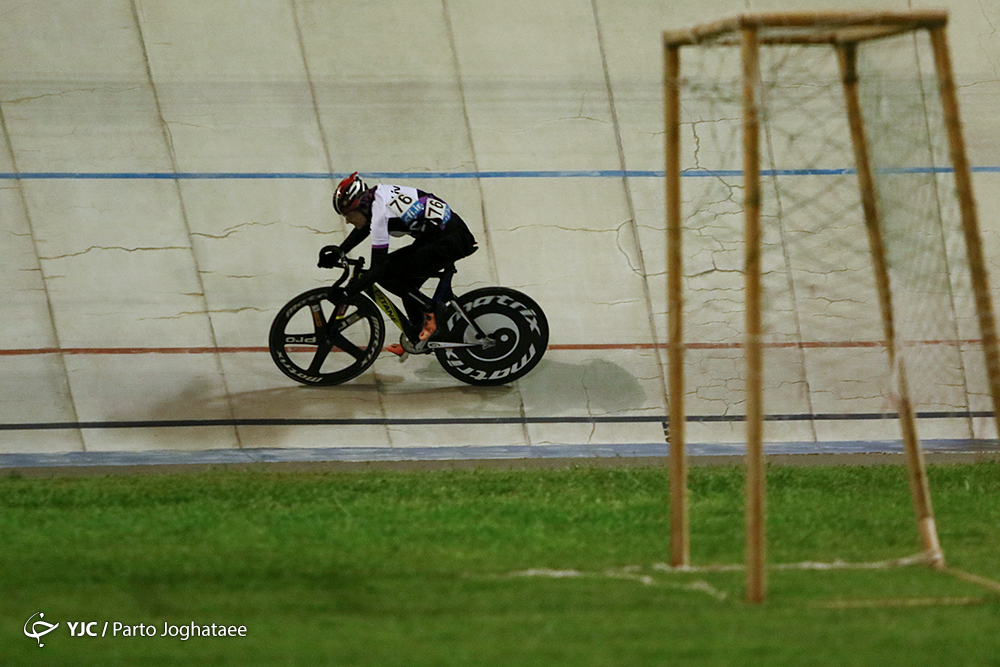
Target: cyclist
<point x="440" y="236"/>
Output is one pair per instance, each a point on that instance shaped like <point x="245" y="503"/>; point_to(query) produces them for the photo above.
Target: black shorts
<point x="427" y="255"/>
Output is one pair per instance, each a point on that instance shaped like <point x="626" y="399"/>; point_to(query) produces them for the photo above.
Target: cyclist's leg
<point x="401" y="277"/>
<point x="456" y="243"/>
<point x="408" y="268"/>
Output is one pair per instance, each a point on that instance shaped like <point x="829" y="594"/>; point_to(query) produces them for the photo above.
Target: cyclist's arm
<point x="369" y="277"/>
<point x="379" y="230"/>
<point x="357" y="235"/>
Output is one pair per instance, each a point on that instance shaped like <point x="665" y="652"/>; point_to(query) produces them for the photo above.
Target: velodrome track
<point x="653" y="450"/>
<point x="165" y="182"/>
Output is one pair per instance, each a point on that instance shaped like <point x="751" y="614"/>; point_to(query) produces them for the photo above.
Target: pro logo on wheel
<point x="313" y="344"/>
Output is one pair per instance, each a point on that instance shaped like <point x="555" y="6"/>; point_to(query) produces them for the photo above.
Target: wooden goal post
<point x="843" y="32"/>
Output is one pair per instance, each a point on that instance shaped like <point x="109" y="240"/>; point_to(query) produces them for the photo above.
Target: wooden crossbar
<point x="809" y="27"/>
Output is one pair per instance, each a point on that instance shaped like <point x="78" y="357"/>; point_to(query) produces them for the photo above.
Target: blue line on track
<point x="446" y="453"/>
<point x="599" y="173"/>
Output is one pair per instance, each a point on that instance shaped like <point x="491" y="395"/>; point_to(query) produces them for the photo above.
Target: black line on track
<point x="474" y="421"/>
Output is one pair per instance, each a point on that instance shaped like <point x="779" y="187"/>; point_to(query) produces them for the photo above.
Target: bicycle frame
<point x="443" y="294"/>
<point x="336" y="347"/>
<point x="390" y="309"/>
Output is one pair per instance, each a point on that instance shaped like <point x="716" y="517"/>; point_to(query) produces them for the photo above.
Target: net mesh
<point x="825" y="354"/>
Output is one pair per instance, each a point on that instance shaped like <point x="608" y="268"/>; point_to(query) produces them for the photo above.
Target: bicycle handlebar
<point x="352" y="268"/>
<point x="357" y="264"/>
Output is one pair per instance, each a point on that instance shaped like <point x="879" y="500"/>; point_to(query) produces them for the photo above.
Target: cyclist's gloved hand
<point x="330" y="256"/>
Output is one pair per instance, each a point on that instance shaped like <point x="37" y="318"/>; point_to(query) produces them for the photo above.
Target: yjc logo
<point x="39" y="628"/>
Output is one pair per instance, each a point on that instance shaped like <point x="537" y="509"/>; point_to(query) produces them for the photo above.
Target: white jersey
<point x="400" y="209"/>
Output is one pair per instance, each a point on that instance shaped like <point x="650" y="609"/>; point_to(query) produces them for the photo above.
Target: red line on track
<point x="581" y="346"/>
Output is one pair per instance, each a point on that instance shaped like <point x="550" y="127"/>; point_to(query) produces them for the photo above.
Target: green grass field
<point x="484" y="567"/>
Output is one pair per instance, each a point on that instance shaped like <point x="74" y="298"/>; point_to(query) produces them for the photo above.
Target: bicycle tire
<point x="518" y="326"/>
<point x="326" y="355"/>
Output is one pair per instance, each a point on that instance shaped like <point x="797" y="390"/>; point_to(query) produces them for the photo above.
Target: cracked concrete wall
<point x="136" y="295"/>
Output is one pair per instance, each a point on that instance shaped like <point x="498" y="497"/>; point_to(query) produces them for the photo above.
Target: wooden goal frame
<point x="843" y="31"/>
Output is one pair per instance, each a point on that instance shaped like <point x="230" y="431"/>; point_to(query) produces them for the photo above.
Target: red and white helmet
<point x="348" y="193"/>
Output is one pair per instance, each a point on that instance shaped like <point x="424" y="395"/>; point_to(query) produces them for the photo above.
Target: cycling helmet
<point x="348" y="194"/>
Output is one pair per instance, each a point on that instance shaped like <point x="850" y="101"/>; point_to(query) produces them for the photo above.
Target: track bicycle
<point x="489" y="336"/>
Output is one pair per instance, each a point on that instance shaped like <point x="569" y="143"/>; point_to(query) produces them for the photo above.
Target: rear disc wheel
<point x="518" y="331"/>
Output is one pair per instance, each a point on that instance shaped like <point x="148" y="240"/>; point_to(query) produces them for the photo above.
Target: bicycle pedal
<point x="420" y="347"/>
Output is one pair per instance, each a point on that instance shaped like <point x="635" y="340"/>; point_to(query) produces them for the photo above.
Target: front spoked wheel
<point x="518" y="335"/>
<point x="312" y="344"/>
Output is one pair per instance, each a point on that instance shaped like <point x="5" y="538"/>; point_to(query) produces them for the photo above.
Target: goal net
<point x="825" y="276"/>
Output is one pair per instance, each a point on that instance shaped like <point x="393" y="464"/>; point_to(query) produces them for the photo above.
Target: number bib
<point x="414" y="210"/>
